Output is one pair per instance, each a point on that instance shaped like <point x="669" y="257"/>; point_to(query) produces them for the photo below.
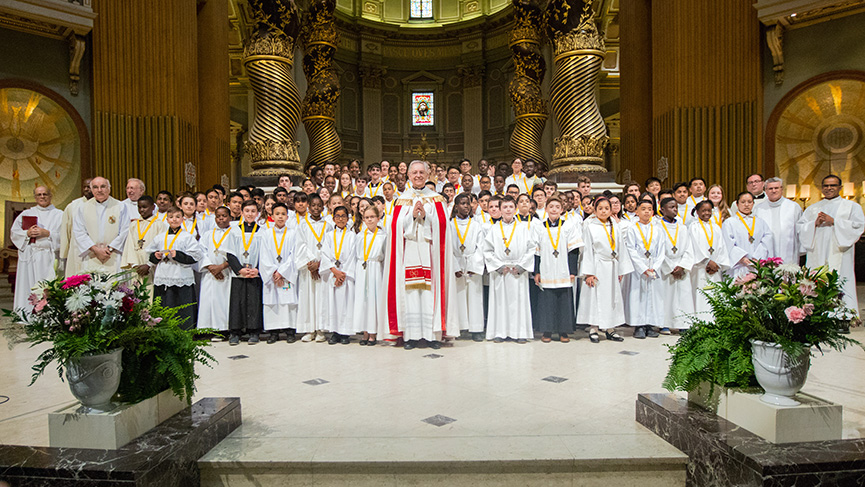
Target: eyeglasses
<point x="755" y="182"/>
<point x="828" y="185"/>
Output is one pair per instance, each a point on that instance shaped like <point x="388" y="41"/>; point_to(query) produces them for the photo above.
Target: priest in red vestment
<point x="416" y="263"/>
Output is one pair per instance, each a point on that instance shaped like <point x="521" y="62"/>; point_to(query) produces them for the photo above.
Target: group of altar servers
<point x="304" y="267"/>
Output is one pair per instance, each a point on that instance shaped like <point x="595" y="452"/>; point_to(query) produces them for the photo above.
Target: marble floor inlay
<point x="629" y="352"/>
<point x="433" y="356"/>
<point x="316" y="382"/>
<point x="554" y="379"/>
<point x="438" y="420"/>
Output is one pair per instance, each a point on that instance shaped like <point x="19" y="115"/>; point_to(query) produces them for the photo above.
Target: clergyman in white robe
<point x="834" y="245"/>
<point x="105" y="224"/>
<point x="35" y="259"/>
<point x="782" y="217"/>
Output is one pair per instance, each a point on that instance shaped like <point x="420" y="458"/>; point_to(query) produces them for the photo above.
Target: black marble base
<point x="723" y="454"/>
<point x="164" y="456"/>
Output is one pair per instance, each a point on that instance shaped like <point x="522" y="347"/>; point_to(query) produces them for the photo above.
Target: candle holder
<point x="804" y="194"/>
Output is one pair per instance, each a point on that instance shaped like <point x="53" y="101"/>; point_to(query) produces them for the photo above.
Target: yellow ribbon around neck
<point x="281" y="242"/>
<point x="216" y="244"/>
<point x="709" y="240"/>
<point x="751" y="228"/>
<point x="142" y="235"/>
<point x="194" y="222"/>
<point x="646" y="244"/>
<point x="246" y="244"/>
<point x="311" y="229"/>
<point x="462" y="238"/>
<point x="337" y="251"/>
<point x="610" y="236"/>
<point x="717" y="218"/>
<point x="166" y="245"/>
<point x="675" y="239"/>
<point x="558" y="235"/>
<point x="368" y="250"/>
<point x="507" y="240"/>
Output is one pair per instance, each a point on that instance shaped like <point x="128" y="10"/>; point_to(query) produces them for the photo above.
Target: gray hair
<point x="417" y="161"/>
<point x="140" y="182"/>
<point x="47" y="190"/>
<point x="774" y="180"/>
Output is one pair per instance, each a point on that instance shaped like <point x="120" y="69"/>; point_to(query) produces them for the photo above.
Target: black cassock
<point x="245" y="310"/>
<point x="174" y="296"/>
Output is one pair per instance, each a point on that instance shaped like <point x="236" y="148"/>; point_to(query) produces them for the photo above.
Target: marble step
<point x="585" y="460"/>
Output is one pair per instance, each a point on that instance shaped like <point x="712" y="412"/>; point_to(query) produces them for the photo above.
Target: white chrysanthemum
<point x="114" y="299"/>
<point x="77" y="301"/>
<point x="791" y="269"/>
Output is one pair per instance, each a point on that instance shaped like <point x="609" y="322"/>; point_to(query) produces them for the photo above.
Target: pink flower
<point x="33" y="299"/>
<point x="741" y="280"/>
<point x="772" y="260"/>
<point x="75" y="281"/>
<point x="795" y="314"/>
<point x="808" y="288"/>
<point x="40" y="305"/>
<point x="809" y="309"/>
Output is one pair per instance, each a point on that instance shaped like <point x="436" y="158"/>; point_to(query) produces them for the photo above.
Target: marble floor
<point x="314" y="402"/>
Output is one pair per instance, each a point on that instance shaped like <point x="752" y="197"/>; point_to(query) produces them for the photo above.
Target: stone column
<point x="371" y="77"/>
<point x="319" y="104"/>
<point x="214" y="110"/>
<point x="473" y="109"/>
<point x="529" y="105"/>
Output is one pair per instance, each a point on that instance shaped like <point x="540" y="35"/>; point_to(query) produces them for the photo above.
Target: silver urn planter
<point x="779" y="374"/>
<point x="93" y="379"/>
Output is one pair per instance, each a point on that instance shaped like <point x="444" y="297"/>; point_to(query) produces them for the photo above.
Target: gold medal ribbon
<point x="337" y="251"/>
<point x="672" y="239"/>
<point x="711" y="239"/>
<point x="194" y="222"/>
<point x="168" y="247"/>
<point x="216" y="244"/>
<point x="311" y="229"/>
<point x="368" y="250"/>
<point x="558" y="235"/>
<point x="508" y="239"/>
<point x="142" y="235"/>
<point x="281" y="242"/>
<point x="246" y="244"/>
<point x="752" y="228"/>
<point x="610" y="237"/>
<point x="648" y="244"/>
<point x="717" y="218"/>
<point x="462" y="238"/>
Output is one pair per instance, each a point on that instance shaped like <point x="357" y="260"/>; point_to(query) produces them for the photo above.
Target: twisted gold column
<point x="525" y="88"/>
<point x="319" y="106"/>
<point x="268" y="57"/>
<point x="579" y="52"/>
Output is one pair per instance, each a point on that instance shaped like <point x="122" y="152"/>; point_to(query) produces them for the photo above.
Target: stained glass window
<point x="422" y="107"/>
<point x="421" y="9"/>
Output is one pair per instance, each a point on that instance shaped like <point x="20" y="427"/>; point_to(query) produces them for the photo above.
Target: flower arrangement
<point x="96" y="313"/>
<point x="777" y="303"/>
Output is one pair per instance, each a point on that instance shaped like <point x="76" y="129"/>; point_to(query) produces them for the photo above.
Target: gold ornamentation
<point x="372" y="75"/>
<point x="472" y="75"/>
<point x="530" y="107"/>
<point x="580" y="148"/>
<point x="424" y="149"/>
<point x="278" y="46"/>
<point x="272" y="150"/>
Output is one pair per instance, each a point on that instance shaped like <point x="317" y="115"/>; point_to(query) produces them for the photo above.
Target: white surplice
<point x="36" y="259"/>
<point x="215" y="295"/>
<point x="739" y="243"/>
<point x="102" y="224"/>
<point x="708" y="244"/>
<point x="170" y="272"/>
<point x="466" y="299"/>
<point x="141" y="233"/>
<point x="678" y="293"/>
<point x="311" y="296"/>
<point x="603" y="305"/>
<point x="279" y="300"/>
<point x="510" y="313"/>
<point x="338" y="253"/>
<point x="70" y="260"/>
<point x="782" y="217"/>
<point x="834" y="245"/>
<point x="369" y="313"/>
<point x="644" y="294"/>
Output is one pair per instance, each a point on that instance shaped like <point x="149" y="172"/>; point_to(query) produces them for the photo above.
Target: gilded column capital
<point x="372" y="75"/>
<point x="472" y="75"/>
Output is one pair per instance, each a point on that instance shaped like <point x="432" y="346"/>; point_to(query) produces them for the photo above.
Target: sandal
<point x="614" y="336"/>
<point x="593" y="336"/>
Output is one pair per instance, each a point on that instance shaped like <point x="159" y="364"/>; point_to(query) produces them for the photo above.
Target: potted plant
<point x="109" y="339"/>
<point x="762" y="328"/>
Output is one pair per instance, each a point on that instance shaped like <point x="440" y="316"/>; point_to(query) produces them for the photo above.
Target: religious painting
<point x="422" y="109"/>
<point x="822" y="131"/>
<point x="421" y="9"/>
<point x="40" y="144"/>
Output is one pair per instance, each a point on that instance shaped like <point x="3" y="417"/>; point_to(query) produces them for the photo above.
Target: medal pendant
<point x="364" y="264"/>
<point x="614" y="254"/>
<point x="338" y="263"/>
<point x="507" y="251"/>
<point x="648" y="254"/>
<point x="675" y="249"/>
<point x="140" y="243"/>
<point x="711" y="250"/>
<point x="279" y="258"/>
<point x="246" y="254"/>
<point x="318" y="245"/>
<point x="751" y="239"/>
<point x="215" y="251"/>
<point x="555" y="253"/>
<point x="462" y="248"/>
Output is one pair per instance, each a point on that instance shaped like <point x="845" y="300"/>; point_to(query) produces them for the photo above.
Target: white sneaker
<point x="308" y="337"/>
<point x="319" y="336"/>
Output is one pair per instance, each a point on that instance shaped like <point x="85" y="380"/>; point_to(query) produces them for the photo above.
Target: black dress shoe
<point x="410" y="344"/>
<point x="333" y="340"/>
<point x="345" y="339"/>
<point x="291" y="338"/>
<point x="651" y="332"/>
<point x="478" y="336"/>
<point x="273" y="338"/>
<point x="364" y="342"/>
<point x="435" y="344"/>
<point x="640" y="332"/>
<point x="613" y="336"/>
<point x="371" y="343"/>
<point x="594" y="337"/>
